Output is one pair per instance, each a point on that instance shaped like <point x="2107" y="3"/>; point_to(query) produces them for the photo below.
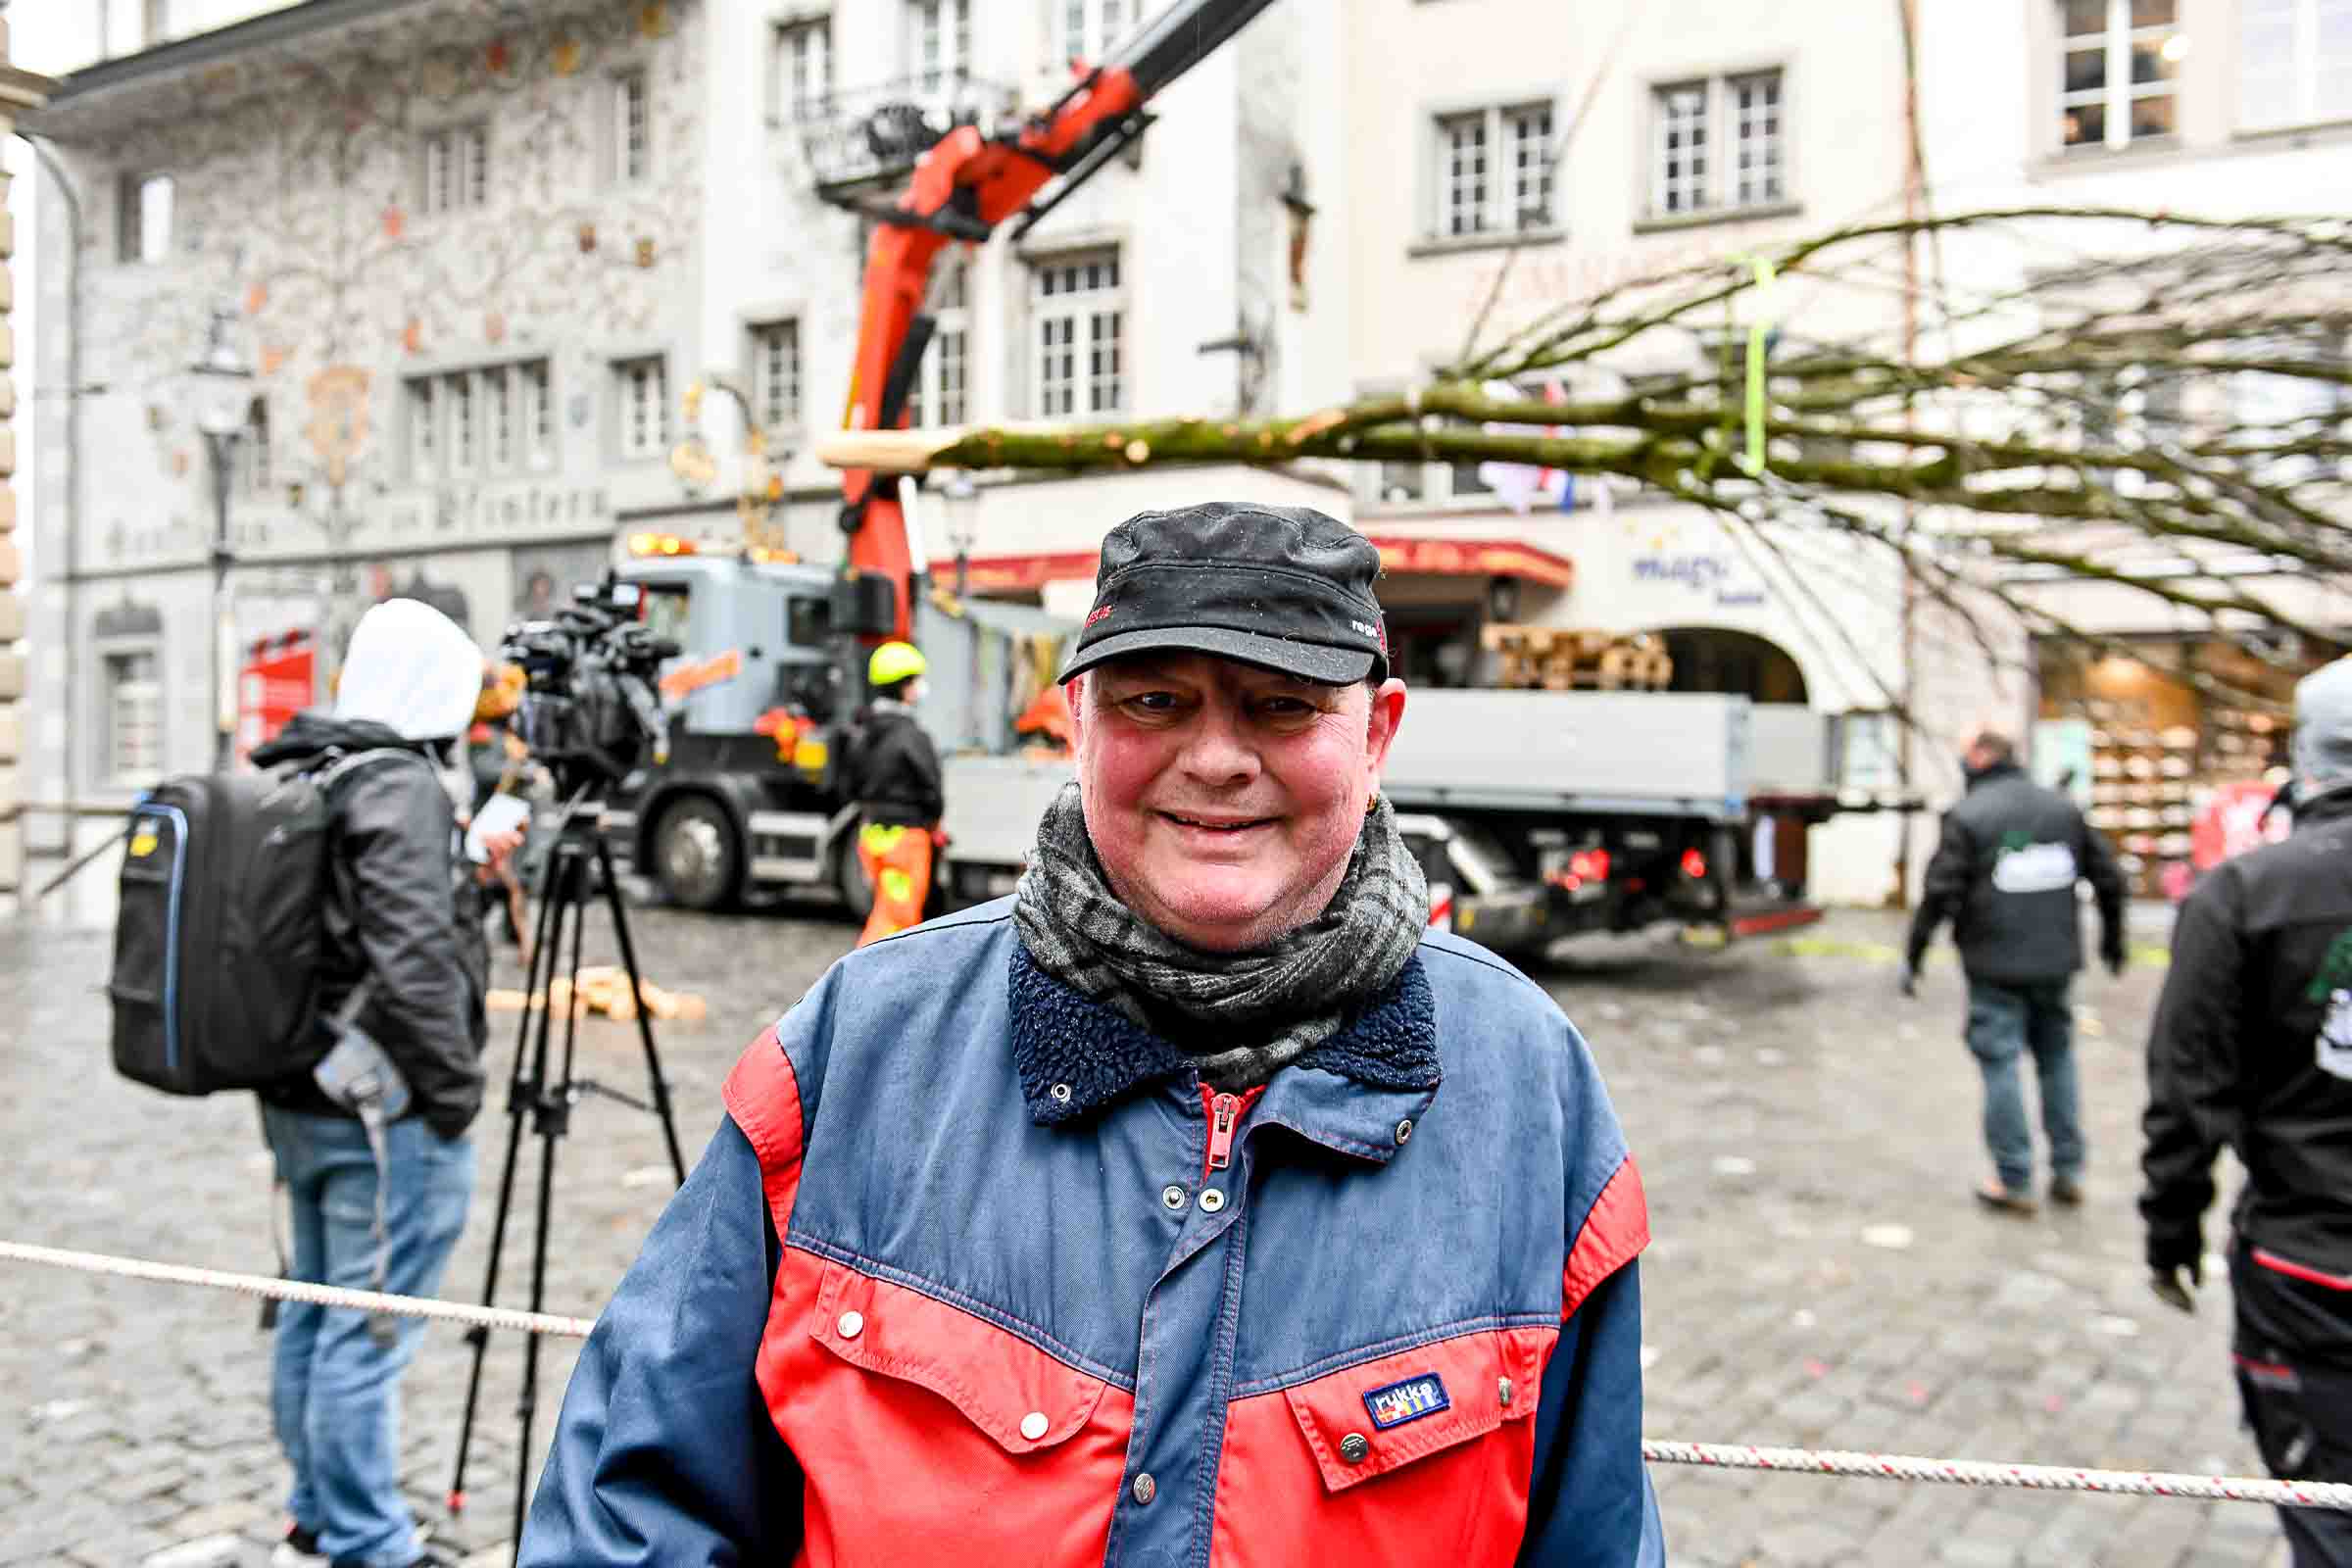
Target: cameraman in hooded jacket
<point x="402" y="914"/>
<point x="2252" y="1048"/>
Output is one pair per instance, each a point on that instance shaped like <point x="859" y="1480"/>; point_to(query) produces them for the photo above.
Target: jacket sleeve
<point x="664" y="1453"/>
<point x="394" y="826"/>
<point x="2106" y="880"/>
<point x="923" y="773"/>
<point x="1945" y="887"/>
<point x="2192" y="1072"/>
<point x="1590" y="1502"/>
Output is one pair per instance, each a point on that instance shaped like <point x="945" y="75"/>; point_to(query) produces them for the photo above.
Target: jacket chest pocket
<point x="929" y="1433"/>
<point x="1421" y="1456"/>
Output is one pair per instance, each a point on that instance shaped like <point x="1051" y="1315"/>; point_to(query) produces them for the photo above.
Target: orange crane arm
<point x="964" y="186"/>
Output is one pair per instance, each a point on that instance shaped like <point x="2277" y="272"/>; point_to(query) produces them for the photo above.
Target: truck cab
<point x="745" y="791"/>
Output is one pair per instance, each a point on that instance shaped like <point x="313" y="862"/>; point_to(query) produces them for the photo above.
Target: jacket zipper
<point x="1225" y="1113"/>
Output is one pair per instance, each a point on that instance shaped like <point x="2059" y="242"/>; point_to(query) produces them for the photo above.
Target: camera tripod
<point x="578" y="854"/>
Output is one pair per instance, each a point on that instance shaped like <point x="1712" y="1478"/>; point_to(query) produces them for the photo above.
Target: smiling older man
<point x="1196" y="1206"/>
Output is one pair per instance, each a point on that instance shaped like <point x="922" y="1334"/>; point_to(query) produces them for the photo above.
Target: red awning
<point x="1398" y="555"/>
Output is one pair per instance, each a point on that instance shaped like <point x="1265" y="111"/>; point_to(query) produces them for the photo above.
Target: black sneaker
<point x="2067" y="1191"/>
<point x="300" y="1549"/>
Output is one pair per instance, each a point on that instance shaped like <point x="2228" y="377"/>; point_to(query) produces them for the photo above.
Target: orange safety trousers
<point x="898" y="866"/>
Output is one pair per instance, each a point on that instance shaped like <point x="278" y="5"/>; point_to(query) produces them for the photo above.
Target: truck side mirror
<point x="864" y="605"/>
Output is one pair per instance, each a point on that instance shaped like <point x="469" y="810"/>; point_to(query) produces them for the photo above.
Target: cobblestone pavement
<point x="1819" y="1274"/>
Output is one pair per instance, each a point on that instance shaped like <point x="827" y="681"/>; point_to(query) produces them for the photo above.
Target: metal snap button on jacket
<point x="1404" y="1130"/>
<point x="1211" y="1199"/>
<point x="1354" y="1448"/>
<point x="1146" y="1489"/>
<point x="1174" y="1197"/>
<point x="852" y="1325"/>
<point x="1502" y="1390"/>
<point x="1033" y="1425"/>
<point x="1060" y="1093"/>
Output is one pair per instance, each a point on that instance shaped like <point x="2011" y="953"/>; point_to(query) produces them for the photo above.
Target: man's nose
<point x="1217" y="751"/>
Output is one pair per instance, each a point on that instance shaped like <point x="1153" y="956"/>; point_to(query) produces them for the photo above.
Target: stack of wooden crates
<point x="1560" y="659"/>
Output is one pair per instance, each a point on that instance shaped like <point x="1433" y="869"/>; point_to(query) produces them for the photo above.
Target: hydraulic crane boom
<point x="964" y="186"/>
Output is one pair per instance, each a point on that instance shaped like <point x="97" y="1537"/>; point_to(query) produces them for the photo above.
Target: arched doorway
<point x="1715" y="658"/>
<point x="1741" y="663"/>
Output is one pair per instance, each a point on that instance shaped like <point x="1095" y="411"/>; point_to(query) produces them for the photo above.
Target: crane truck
<point x="1536" y="814"/>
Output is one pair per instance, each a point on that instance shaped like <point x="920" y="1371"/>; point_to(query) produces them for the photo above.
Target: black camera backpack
<point x="221" y="919"/>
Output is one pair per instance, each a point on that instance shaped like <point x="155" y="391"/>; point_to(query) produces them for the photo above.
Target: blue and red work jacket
<point x="978" y="1272"/>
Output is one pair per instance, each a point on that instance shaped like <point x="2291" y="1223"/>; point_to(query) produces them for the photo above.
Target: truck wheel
<point x="849" y="879"/>
<point x="697" y="857"/>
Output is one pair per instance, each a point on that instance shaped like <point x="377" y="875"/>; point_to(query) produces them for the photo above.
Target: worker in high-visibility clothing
<point x="894" y="775"/>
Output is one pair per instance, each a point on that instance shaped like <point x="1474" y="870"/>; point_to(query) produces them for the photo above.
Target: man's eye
<point x="1150" y="702"/>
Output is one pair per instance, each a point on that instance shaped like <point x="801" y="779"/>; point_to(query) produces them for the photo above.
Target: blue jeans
<point x="334" y="1392"/>
<point x="2004" y="1022"/>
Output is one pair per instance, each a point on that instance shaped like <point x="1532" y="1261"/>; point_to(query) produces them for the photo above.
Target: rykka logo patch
<point x="1409" y="1401"/>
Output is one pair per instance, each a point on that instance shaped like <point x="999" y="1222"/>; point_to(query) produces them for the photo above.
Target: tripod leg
<point x="645" y="1021"/>
<point x="555" y="1121"/>
<point x="522" y="1092"/>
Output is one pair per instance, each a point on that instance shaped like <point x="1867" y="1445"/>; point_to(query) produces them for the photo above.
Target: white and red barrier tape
<point x="1717" y="1455"/>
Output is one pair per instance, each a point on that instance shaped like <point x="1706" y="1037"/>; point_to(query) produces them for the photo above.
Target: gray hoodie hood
<point x="2322" y="743"/>
<point x="411" y="669"/>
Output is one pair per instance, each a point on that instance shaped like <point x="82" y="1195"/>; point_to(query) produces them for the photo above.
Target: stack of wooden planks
<point x="1562" y="658"/>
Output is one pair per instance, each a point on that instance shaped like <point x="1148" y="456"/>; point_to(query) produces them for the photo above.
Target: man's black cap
<point x="1285" y="588"/>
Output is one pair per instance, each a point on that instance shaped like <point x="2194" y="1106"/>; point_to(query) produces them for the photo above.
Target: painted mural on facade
<point x="457" y="186"/>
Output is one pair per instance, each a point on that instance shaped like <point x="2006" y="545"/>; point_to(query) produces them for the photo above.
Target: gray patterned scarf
<point x="1267" y="1008"/>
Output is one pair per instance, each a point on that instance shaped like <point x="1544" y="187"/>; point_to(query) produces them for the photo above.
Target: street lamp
<point x="222" y="384"/>
<point x="963" y="506"/>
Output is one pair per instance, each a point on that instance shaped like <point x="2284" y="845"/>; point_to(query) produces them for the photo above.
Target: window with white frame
<point x="2119" y="61"/>
<point x="134" y="717"/>
<point x="2294" y="63"/>
<point x="1078" y="323"/>
<point x="641" y="399"/>
<point x="1680" y="166"/>
<point x="460" y="430"/>
<point x="456" y="168"/>
<point x="500" y="390"/>
<point x="1758" y="174"/>
<point x="941" y="382"/>
<point x="425" y="432"/>
<point x="254" y="468"/>
<point x="536" y="409"/>
<point x="1088" y="29"/>
<point x="490" y="419"/>
<point x="939" y="41"/>
<point x="803" y="67"/>
<point x="1463" y="174"/>
<point x="143" y="219"/>
<point x="1719" y="144"/>
<point x="776" y="377"/>
<point x="632" y="127"/>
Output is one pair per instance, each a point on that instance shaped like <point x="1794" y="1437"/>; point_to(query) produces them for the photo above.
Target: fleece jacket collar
<point x="1077" y="1056"/>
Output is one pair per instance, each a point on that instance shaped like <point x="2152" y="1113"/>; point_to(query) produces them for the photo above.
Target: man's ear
<point x="1380" y="725"/>
<point x="1073" y="694"/>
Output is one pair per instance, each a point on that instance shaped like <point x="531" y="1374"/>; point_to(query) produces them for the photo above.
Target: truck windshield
<point x="809" y="621"/>
<point x="666" y="610"/>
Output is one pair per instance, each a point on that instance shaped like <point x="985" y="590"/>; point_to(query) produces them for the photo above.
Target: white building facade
<point x="1680" y="142"/>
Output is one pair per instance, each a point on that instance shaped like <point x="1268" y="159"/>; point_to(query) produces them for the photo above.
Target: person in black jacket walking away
<point x="894" y="776"/>
<point x="2004" y="874"/>
<point x="404" y="917"/>
<point x="2252" y="1048"/>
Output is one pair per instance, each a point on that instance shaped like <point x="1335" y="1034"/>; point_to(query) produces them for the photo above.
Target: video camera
<point x="590" y="705"/>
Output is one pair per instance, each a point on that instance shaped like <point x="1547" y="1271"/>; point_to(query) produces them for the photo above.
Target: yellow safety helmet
<point x="894" y="662"/>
